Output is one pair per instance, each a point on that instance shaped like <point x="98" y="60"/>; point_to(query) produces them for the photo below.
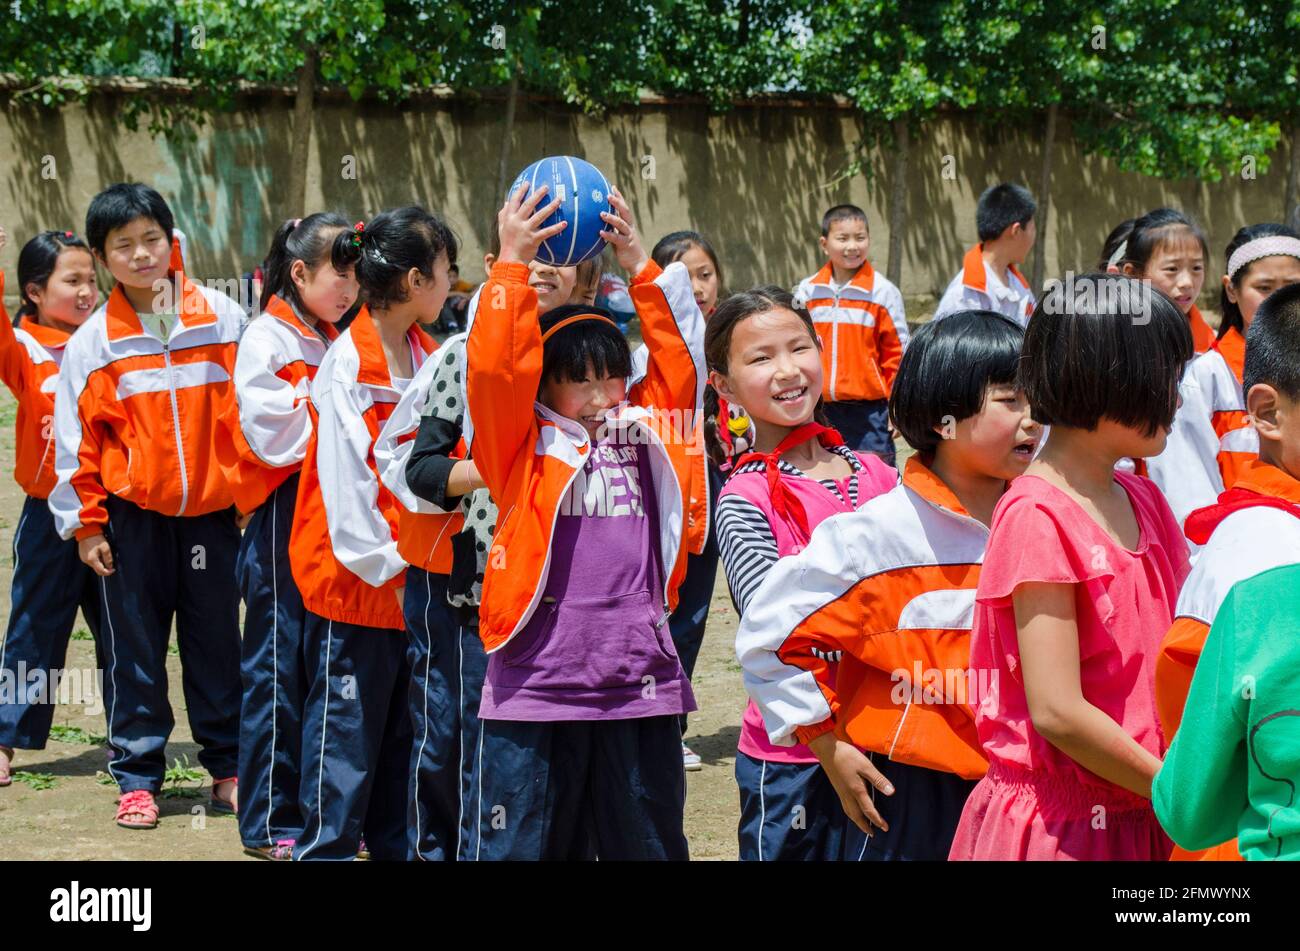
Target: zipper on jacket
<point x="176" y="424"/>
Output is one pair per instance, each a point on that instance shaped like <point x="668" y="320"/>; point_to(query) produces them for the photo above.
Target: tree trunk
<point x="296" y="199"/>
<point x="507" y="134"/>
<point x="1044" y="201"/>
<point x="897" y="209"/>
<point x="1290" y="211"/>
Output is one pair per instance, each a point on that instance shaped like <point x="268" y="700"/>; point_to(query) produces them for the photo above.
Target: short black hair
<point x="842" y="213"/>
<point x="1273" y="343"/>
<point x="584" y="346"/>
<point x="1105" y="346"/>
<point x="1000" y="207"/>
<point x="947" y="369"/>
<point x="392" y="243"/>
<point x="119" y="205"/>
<point x="1153" y="230"/>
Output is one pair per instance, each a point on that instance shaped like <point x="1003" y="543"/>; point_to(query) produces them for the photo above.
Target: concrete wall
<point x="755" y="180"/>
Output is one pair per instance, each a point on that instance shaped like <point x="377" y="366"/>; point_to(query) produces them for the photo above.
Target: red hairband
<point x="573" y="320"/>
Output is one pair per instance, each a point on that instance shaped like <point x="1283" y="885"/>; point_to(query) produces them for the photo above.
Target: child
<point x="447" y="518"/>
<point x="1078" y="584"/>
<point x="136" y="415"/>
<point x="859" y="317"/>
<point x="579" y="753"/>
<point x="763" y="354"/>
<point x="688" y="621"/>
<point x="891" y="588"/>
<point x="1167" y="250"/>
<point x="1254" y="527"/>
<point x="1233" y="770"/>
<point x="356" y="725"/>
<point x="56" y="279"/>
<point x="990" y="278"/>
<point x="309" y="284"/>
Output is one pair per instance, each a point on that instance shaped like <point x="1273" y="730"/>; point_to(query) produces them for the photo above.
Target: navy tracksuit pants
<point x="447" y="668"/>
<point x="167" y="567"/>
<point x="577" y="789"/>
<point x="49" y="583"/>
<point x="356" y="741"/>
<point x="273" y="674"/>
<point x="791" y="811"/>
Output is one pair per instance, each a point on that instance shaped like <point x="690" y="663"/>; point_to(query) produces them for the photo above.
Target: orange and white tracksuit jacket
<point x="139" y="418"/>
<point x="976" y="287"/>
<point x="267" y="425"/>
<point x="863" y="332"/>
<point x="1242" y="542"/>
<point x="529" y="455"/>
<point x="343" y="550"/>
<point x="30" y="357"/>
<point x="890" y="588"/>
<point x="1211" y="441"/>
<point x="424" y="530"/>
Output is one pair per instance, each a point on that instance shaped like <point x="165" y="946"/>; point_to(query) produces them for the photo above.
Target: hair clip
<point x="357" y="231"/>
<point x="295" y="223"/>
<point x="68" y="234"/>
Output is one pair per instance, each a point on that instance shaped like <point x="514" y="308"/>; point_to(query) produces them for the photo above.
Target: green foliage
<point x="38" y="781"/>
<point x="75" y="734"/>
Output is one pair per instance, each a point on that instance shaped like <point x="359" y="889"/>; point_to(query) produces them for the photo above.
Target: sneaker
<point x="691" y="760"/>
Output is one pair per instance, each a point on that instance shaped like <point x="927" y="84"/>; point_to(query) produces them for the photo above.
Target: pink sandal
<point x="138" y="802"/>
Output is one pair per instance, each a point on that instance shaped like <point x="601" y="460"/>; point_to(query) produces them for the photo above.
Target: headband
<point x="1119" y="254"/>
<point x="1262" y="248"/>
<point x="573" y="320"/>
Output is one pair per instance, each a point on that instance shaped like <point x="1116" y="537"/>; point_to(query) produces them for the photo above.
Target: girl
<point x="56" y="281"/>
<point x="356" y="727"/>
<point x="579" y="753"/>
<point x="1078" y="587"/>
<point x="892" y="587"/>
<point x="446" y="522"/>
<point x="764" y="354"/>
<point x="1167" y="250"/>
<point x="688" y="621"/>
<point x="309" y="284"/>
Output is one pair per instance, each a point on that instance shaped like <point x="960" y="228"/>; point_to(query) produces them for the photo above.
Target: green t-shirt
<point x="1234" y="766"/>
<point x="160" y="325"/>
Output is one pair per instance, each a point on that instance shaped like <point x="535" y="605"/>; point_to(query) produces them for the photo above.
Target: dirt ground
<point x="63" y="811"/>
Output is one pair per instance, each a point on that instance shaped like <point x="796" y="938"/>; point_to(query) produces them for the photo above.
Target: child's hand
<point x="95" y="551"/>
<point x="849" y="772"/>
<point x="623" y="236"/>
<point x="519" y="224"/>
<point x="242" y="519"/>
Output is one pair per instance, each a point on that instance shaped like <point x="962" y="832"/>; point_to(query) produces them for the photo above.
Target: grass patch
<point x="38" y="781"/>
<point x="75" y="734"/>
<point x="81" y="634"/>
<point x="180" y="771"/>
<point x="104" y="779"/>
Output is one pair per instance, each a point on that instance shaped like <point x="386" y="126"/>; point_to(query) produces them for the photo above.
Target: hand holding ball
<point x="577" y="194"/>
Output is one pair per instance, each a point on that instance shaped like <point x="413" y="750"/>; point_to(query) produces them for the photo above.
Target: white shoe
<point x="690" y="760"/>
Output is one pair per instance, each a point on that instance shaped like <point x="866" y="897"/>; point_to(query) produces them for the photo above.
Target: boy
<point x="859" y="316"/>
<point x="990" y="278"/>
<point x="1253" y="528"/>
<point x="890" y="589"/>
<point x="144" y="382"/>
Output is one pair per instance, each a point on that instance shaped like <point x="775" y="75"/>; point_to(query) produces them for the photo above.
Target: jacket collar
<point x="863" y="278"/>
<point x="1232" y="347"/>
<point x="922" y="480"/>
<point x="974" y="272"/>
<point x="373" y="370"/>
<point x="122" y="321"/>
<point x="282" y="310"/>
<point x="1264" y="479"/>
<point x="51" y="338"/>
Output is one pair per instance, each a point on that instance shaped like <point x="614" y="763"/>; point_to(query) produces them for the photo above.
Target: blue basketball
<point x="584" y="193"/>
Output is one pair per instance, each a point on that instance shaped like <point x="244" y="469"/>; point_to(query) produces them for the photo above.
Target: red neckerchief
<point x="1201" y="524"/>
<point x="784" y="502"/>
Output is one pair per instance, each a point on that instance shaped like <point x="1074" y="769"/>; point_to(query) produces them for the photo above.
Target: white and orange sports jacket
<point x="29" y="365"/>
<point x="343" y="550"/>
<point x="863" y="331"/>
<point x="1241" y="538"/>
<point x="976" y="287"/>
<point x="138" y="418"/>
<point x="424" y="530"/>
<point x="529" y="455"/>
<point x="266" y="426"/>
<point x="891" y="588"/>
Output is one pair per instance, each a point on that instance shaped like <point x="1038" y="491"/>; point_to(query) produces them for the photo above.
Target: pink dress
<point x="1036" y="802"/>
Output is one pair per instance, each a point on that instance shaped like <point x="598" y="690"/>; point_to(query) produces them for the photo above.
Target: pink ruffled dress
<point x="1036" y="803"/>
